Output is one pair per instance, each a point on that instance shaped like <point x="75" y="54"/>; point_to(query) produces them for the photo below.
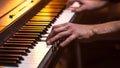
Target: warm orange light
<point x="16" y="12"/>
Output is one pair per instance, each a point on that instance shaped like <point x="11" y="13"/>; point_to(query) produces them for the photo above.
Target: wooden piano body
<point x="22" y="25"/>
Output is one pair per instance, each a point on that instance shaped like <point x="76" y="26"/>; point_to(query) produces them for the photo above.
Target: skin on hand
<point x="86" y="4"/>
<point x="70" y="31"/>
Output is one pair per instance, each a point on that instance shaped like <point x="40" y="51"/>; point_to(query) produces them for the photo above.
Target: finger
<point x="58" y="36"/>
<point x="57" y="29"/>
<point x="60" y="29"/>
<point x="69" y="3"/>
<point x="68" y="40"/>
<point x="59" y="25"/>
<point x="81" y="8"/>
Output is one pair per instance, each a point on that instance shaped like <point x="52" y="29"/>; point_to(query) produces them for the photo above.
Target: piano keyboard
<point x="27" y="48"/>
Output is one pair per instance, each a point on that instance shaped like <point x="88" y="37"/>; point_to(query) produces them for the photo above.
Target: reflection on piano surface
<point x="23" y="30"/>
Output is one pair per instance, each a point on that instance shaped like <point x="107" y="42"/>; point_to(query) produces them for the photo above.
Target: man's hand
<point x="69" y="31"/>
<point x="86" y="4"/>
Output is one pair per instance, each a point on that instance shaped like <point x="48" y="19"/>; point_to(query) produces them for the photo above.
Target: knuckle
<point x="60" y="34"/>
<point x="67" y="42"/>
<point x="55" y="30"/>
<point x="70" y="39"/>
<point x="68" y="24"/>
<point x="73" y="37"/>
<point x="55" y="26"/>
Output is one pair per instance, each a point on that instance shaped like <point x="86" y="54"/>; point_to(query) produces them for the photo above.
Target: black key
<point x="12" y="55"/>
<point x="42" y="19"/>
<point x="33" y="31"/>
<point x="15" y="48"/>
<point x="37" y="24"/>
<point x="28" y="28"/>
<point x="18" y="45"/>
<point x="27" y="36"/>
<point x="33" y="27"/>
<point x="46" y="24"/>
<point x="36" y="36"/>
<point x="21" y="33"/>
<point x="22" y="39"/>
<point x="8" y="63"/>
<point x="23" y="52"/>
<point x="10" y="59"/>
<point x="14" y="41"/>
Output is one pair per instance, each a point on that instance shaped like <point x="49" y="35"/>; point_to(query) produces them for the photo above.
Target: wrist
<point x="107" y="31"/>
<point x="106" y="28"/>
<point x="101" y="29"/>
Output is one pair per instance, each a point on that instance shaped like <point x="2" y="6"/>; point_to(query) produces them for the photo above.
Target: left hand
<point x="86" y="4"/>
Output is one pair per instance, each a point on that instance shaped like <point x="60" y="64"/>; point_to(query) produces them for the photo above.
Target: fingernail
<point x="48" y="42"/>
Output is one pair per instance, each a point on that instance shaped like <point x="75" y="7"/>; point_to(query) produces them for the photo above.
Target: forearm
<point x="107" y="31"/>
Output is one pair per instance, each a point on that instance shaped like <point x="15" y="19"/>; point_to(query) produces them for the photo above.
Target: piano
<point x="24" y="26"/>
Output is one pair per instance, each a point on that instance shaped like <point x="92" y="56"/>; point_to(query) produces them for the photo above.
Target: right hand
<point x="86" y="4"/>
<point x="70" y="32"/>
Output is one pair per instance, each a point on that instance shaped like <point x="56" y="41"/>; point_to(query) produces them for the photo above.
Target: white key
<point x="37" y="54"/>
